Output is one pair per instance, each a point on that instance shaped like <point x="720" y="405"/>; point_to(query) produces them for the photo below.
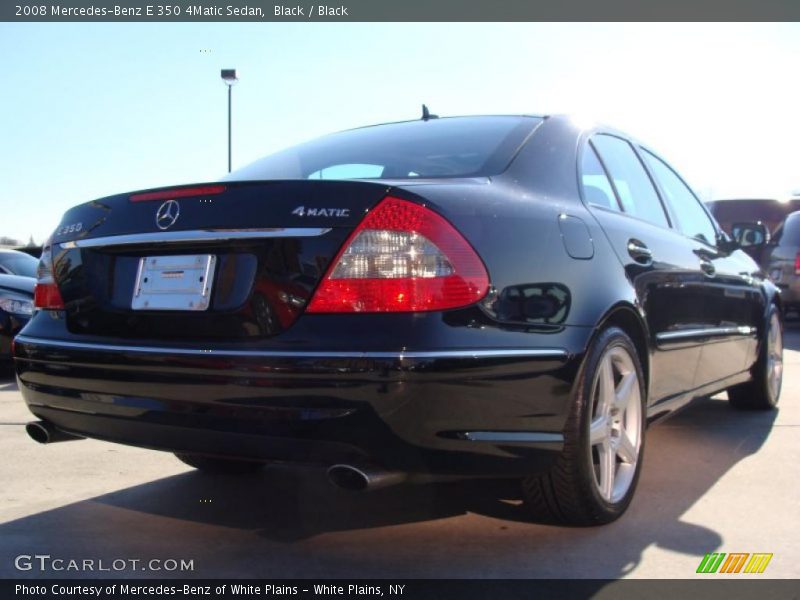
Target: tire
<point x="220" y="466"/>
<point x="764" y="390"/>
<point x="594" y="479"/>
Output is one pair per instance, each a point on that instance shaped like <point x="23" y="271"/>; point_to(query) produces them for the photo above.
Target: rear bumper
<point x="470" y="412"/>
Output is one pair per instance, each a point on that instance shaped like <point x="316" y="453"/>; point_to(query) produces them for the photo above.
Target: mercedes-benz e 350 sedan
<point x="509" y="297"/>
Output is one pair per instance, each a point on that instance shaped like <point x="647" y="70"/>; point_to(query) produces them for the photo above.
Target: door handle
<point x="708" y="268"/>
<point x="640" y="252"/>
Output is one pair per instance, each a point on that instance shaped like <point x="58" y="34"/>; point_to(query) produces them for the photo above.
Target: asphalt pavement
<point x="714" y="480"/>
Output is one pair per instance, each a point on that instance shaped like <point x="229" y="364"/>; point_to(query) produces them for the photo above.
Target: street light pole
<point x="230" y="88"/>
<point x="230" y="79"/>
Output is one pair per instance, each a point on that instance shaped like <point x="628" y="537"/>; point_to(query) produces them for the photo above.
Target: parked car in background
<point x="13" y="262"/>
<point x="500" y="296"/>
<point x="752" y="221"/>
<point x="781" y="261"/>
<point x="771" y="212"/>
<point x="16" y="308"/>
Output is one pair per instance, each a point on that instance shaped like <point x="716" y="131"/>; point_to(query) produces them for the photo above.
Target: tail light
<point x="46" y="294"/>
<point x="402" y="258"/>
<point x="797" y="264"/>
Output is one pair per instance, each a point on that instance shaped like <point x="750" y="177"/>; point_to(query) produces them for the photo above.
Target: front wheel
<point x="763" y="391"/>
<point x="593" y="481"/>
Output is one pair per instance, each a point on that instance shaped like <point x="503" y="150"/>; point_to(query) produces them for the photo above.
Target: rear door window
<point x="631" y="182"/>
<point x="691" y="219"/>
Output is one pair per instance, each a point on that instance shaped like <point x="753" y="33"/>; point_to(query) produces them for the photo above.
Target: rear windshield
<point x="453" y="147"/>
<point x="18" y="263"/>
<point x="788" y="234"/>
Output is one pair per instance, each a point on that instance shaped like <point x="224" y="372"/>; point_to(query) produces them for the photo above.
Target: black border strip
<point x="709" y="586"/>
<point x="398" y="10"/>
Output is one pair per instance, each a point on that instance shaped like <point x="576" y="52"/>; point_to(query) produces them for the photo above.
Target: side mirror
<point x="726" y="244"/>
<point x="751" y="235"/>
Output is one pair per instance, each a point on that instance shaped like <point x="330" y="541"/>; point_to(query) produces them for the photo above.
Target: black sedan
<point x="16" y="308"/>
<point x="509" y="296"/>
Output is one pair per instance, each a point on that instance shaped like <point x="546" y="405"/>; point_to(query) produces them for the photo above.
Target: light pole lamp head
<point x="229" y="76"/>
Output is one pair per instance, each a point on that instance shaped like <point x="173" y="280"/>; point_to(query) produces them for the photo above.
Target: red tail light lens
<point x="797" y="264"/>
<point x="402" y="258"/>
<point x="46" y="294"/>
<point x="187" y="192"/>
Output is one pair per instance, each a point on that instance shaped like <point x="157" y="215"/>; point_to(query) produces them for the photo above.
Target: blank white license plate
<point x="174" y="282"/>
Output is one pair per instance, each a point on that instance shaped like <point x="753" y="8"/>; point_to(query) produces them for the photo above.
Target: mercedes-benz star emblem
<point x="167" y="214"/>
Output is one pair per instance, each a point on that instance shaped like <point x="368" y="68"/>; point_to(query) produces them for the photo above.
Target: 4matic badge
<point x="302" y="211"/>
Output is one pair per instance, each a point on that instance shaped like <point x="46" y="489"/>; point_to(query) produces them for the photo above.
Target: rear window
<point x="452" y="147"/>
<point x="18" y="263"/>
<point x="788" y="234"/>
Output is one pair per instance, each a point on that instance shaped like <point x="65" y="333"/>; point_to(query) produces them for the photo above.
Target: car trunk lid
<point x="238" y="260"/>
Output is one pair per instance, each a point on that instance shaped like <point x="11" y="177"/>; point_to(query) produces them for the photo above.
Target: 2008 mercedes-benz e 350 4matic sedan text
<point x="510" y="297"/>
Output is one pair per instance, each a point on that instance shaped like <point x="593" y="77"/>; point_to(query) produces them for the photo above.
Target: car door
<point x="730" y="298"/>
<point x="659" y="262"/>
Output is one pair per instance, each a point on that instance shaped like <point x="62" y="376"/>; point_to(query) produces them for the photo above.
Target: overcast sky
<point x="91" y="110"/>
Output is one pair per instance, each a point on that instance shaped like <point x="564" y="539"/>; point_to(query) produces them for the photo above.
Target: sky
<point x="89" y="110"/>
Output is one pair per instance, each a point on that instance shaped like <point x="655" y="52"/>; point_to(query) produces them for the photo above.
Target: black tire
<point x="219" y="466"/>
<point x="762" y="392"/>
<point x="570" y="492"/>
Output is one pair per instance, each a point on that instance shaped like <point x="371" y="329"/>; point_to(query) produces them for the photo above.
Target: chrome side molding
<point x="666" y="336"/>
<point x="513" y="436"/>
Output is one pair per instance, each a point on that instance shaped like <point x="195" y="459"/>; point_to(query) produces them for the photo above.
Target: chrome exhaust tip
<point x="45" y="433"/>
<point x="361" y="479"/>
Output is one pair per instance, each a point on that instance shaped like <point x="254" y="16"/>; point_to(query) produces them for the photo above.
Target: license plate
<point x="174" y="282"/>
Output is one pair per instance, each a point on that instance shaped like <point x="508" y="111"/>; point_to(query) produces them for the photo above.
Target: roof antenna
<point x="426" y="114"/>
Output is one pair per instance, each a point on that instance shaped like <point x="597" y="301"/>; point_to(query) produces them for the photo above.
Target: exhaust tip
<point x="348" y="477"/>
<point x="38" y="432"/>
<point x="45" y="433"/>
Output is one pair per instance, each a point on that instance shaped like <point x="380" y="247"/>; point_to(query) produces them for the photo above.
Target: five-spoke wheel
<point x="615" y="431"/>
<point x="594" y="478"/>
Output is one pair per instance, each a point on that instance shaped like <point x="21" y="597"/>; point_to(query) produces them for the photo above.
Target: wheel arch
<point x="627" y="317"/>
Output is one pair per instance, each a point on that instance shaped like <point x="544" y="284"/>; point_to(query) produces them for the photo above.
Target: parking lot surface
<point x="714" y="480"/>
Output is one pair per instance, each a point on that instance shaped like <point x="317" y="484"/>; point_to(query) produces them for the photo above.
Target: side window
<point x="634" y="188"/>
<point x="597" y="189"/>
<point x="691" y="219"/>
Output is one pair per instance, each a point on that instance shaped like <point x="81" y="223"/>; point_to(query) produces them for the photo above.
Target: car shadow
<point x="400" y="531"/>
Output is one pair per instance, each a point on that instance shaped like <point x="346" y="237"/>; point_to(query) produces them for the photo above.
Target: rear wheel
<point x="594" y="479"/>
<point x="219" y="466"/>
<point x="763" y="391"/>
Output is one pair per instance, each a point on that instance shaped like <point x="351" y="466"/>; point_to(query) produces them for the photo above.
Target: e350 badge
<point x="302" y="211"/>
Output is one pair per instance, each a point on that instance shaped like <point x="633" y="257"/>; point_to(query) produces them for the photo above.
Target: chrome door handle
<point x="640" y="252"/>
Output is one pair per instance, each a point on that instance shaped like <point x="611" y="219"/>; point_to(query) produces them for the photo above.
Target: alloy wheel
<point x="774" y="356"/>
<point x="615" y="430"/>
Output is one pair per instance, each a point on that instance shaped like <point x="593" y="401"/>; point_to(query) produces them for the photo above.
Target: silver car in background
<point x="781" y="261"/>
